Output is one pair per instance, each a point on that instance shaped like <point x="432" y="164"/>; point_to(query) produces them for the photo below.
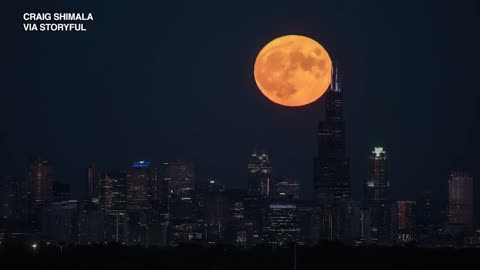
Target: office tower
<point x="378" y="198"/>
<point x="235" y="229"/>
<point x="61" y="191"/>
<point x="286" y="188"/>
<point x="460" y="199"/>
<point x="304" y="219"/>
<point x="114" y="203"/>
<point x="331" y="167"/>
<point x="91" y="224"/>
<point x="40" y="181"/>
<point x="94" y="187"/>
<point x="424" y="213"/>
<point x="138" y="185"/>
<point x="212" y="205"/>
<point x="14" y="205"/>
<point x="184" y="223"/>
<point x="59" y="222"/>
<point x="281" y="226"/>
<point x="180" y="177"/>
<point x="405" y="229"/>
<point x="259" y="175"/>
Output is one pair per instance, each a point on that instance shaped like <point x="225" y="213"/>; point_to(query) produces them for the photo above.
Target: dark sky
<point x="167" y="80"/>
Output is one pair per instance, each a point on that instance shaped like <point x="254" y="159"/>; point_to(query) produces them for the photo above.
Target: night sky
<point x="166" y="80"/>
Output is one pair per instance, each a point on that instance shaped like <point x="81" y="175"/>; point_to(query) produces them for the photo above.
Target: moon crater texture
<point x="293" y="70"/>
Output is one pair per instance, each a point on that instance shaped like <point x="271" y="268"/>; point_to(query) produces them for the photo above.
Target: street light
<point x="34" y="246"/>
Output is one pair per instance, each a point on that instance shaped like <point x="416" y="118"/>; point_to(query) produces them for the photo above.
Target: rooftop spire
<point x="335" y="84"/>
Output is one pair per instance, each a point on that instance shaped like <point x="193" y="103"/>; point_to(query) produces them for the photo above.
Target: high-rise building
<point x="184" y="223"/>
<point x="40" y="181"/>
<point x="281" y="226"/>
<point x="180" y="177"/>
<point x="424" y="213"/>
<point x="91" y="224"/>
<point x="259" y="175"/>
<point x="331" y="167"/>
<point x="236" y="231"/>
<point x="114" y="203"/>
<point x="212" y="204"/>
<point x="405" y="229"/>
<point x="94" y="187"/>
<point x="14" y="205"/>
<point x="59" y="222"/>
<point x="138" y="185"/>
<point x="460" y="199"/>
<point x="286" y="188"/>
<point x="378" y="198"/>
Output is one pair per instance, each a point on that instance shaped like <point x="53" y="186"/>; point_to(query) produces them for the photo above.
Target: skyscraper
<point x="180" y="177"/>
<point x="14" y="204"/>
<point x="331" y="167"/>
<point x="259" y="175"/>
<point x="40" y="181"/>
<point x="138" y="185"/>
<point x="114" y="203"/>
<point x="93" y="184"/>
<point x="405" y="229"/>
<point x="460" y="199"/>
<point x="378" y="197"/>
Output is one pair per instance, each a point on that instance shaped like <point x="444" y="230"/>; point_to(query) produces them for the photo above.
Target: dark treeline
<point x="331" y="255"/>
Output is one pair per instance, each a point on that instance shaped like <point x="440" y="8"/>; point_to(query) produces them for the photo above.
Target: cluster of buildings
<point x="163" y="204"/>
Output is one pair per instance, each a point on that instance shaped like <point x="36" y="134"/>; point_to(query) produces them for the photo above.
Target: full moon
<point x="293" y="70"/>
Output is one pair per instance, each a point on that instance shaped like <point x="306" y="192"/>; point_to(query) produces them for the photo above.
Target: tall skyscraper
<point x="14" y="204"/>
<point x="331" y="167"/>
<point x="40" y="181"/>
<point x="378" y="197"/>
<point x="180" y="177"/>
<point x="460" y="199"/>
<point x="259" y="175"/>
<point x="93" y="184"/>
<point x="114" y="203"/>
<point x="184" y="225"/>
<point x="138" y="185"/>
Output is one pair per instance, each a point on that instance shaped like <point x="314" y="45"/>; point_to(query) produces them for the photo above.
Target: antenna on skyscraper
<point x="337" y="81"/>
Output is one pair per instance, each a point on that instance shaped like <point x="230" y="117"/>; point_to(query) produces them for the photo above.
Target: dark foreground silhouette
<point x="327" y="256"/>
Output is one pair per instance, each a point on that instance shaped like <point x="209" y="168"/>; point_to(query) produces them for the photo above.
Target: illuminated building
<point x="212" y="204"/>
<point x="281" y="227"/>
<point x="405" y="230"/>
<point x="184" y="223"/>
<point x="40" y="181"/>
<point x="286" y="188"/>
<point x="14" y="205"/>
<point x="378" y="198"/>
<point x="235" y="231"/>
<point x="94" y="188"/>
<point x="180" y="177"/>
<point x="259" y="175"/>
<point x="460" y="199"/>
<point x="331" y="168"/>
<point x="114" y="203"/>
<point x="138" y="185"/>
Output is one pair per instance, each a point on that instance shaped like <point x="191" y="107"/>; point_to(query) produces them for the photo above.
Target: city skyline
<point x="183" y="88"/>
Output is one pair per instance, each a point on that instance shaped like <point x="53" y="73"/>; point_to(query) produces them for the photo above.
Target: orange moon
<point x="293" y="70"/>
